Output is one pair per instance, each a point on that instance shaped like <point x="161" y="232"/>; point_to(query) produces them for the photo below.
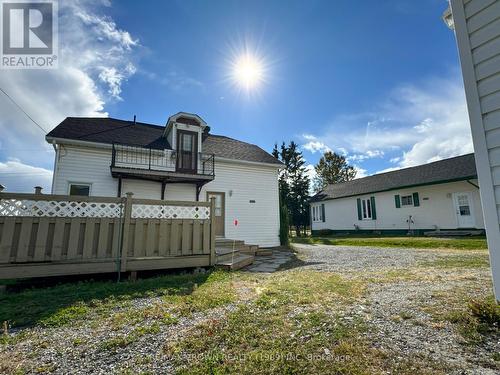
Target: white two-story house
<point x="179" y="161"/>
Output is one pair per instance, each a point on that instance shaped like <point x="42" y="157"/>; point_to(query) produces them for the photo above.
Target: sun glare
<point x="248" y="71"/>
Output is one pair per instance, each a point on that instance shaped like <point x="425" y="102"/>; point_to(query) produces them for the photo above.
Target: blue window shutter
<point x="416" y="201"/>
<point x="323" y="212"/>
<point x="374" y="210"/>
<point x="397" y="200"/>
<point x="360" y="217"/>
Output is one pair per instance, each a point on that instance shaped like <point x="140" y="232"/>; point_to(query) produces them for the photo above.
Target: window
<point x="79" y="189"/>
<point x="367" y="208"/>
<point x="317" y="213"/>
<point x="407" y="200"/>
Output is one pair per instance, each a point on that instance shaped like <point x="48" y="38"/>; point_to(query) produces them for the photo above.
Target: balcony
<point x="161" y="165"/>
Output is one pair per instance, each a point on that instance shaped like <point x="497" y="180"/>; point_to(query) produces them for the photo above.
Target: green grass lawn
<point x="467" y="243"/>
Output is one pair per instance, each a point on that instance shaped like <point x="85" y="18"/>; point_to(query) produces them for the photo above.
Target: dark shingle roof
<point x="453" y="169"/>
<point x="110" y="130"/>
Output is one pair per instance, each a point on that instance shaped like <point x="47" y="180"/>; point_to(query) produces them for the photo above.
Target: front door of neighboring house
<point x="220" y="211"/>
<point x="464" y="210"/>
<point x="187" y="151"/>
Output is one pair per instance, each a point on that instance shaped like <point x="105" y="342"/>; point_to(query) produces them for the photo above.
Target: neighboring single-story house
<point x="443" y="195"/>
<point x="179" y="161"/>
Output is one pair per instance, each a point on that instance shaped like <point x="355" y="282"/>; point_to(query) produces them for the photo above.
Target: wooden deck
<point x="48" y="235"/>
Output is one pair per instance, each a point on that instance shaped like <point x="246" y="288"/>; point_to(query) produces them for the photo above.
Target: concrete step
<point x="224" y="254"/>
<point x="238" y="262"/>
<point x="453" y="233"/>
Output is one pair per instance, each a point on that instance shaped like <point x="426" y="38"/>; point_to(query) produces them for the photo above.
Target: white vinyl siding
<point x="477" y="29"/>
<point x="84" y="164"/>
<point x="436" y="209"/>
<point x="141" y="188"/>
<point x="251" y="193"/>
<point x="180" y="192"/>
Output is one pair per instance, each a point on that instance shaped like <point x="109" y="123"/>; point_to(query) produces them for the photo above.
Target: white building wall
<point x="258" y="223"/>
<point x="241" y="183"/>
<point x="436" y="209"/>
<point x="141" y="188"/>
<point x="85" y="165"/>
<point x="180" y="192"/>
<point x="477" y="29"/>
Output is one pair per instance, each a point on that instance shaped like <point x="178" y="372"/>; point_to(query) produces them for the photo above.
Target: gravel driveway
<point x="404" y="287"/>
<point x="396" y="311"/>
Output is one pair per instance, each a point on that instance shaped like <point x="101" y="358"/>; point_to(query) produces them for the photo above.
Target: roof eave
<point x="466" y="178"/>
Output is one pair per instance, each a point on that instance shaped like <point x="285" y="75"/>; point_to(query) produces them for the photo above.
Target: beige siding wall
<point x="437" y="209"/>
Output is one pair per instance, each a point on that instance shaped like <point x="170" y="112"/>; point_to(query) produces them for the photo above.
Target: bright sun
<point x="248" y="71"/>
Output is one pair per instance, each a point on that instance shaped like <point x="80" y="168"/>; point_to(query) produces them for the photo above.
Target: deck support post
<point x="119" y="193"/>
<point x="163" y="185"/>
<point x="127" y="216"/>
<point x="212" y="231"/>
<point x="198" y="191"/>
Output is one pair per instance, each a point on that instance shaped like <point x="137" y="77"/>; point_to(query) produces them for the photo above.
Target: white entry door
<point x="464" y="210"/>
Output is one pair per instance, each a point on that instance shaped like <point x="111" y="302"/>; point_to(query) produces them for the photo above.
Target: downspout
<point x="56" y="158"/>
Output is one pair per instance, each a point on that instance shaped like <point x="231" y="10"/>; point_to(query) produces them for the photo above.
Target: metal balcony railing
<point x="175" y="161"/>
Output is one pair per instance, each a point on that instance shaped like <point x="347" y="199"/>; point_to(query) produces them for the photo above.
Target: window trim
<point x="410" y="196"/>
<point x="317" y="214"/>
<point x="88" y="184"/>
<point x="366" y="209"/>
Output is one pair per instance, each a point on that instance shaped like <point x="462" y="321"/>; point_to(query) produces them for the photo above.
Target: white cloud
<point x="369" y="154"/>
<point x="360" y="172"/>
<point x="95" y="59"/>
<point x="16" y="176"/>
<point x="316" y="146"/>
<point x="420" y="123"/>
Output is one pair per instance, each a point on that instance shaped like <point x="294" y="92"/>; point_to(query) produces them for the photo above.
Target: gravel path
<point x="394" y="311"/>
<point x="344" y="259"/>
<point x="78" y="350"/>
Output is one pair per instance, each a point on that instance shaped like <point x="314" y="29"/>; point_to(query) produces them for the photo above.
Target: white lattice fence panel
<point x="152" y="211"/>
<point x="25" y="207"/>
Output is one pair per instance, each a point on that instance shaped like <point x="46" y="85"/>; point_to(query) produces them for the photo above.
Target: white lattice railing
<point x="48" y="208"/>
<point x="29" y="205"/>
<point x="153" y="211"/>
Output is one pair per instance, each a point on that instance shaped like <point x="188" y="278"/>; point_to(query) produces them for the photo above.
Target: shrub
<point x="486" y="311"/>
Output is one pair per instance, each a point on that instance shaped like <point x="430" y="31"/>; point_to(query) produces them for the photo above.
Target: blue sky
<point x="378" y="81"/>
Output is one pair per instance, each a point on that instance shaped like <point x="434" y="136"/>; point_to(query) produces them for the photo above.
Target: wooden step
<point x="227" y="242"/>
<point x="249" y="249"/>
<point x="263" y="252"/>
<point x="224" y="254"/>
<point x="238" y="262"/>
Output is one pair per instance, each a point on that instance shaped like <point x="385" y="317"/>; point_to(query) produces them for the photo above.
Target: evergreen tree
<point x="294" y="185"/>
<point x="332" y="168"/>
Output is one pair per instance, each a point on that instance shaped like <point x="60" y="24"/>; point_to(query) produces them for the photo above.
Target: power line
<point x="23" y="111"/>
